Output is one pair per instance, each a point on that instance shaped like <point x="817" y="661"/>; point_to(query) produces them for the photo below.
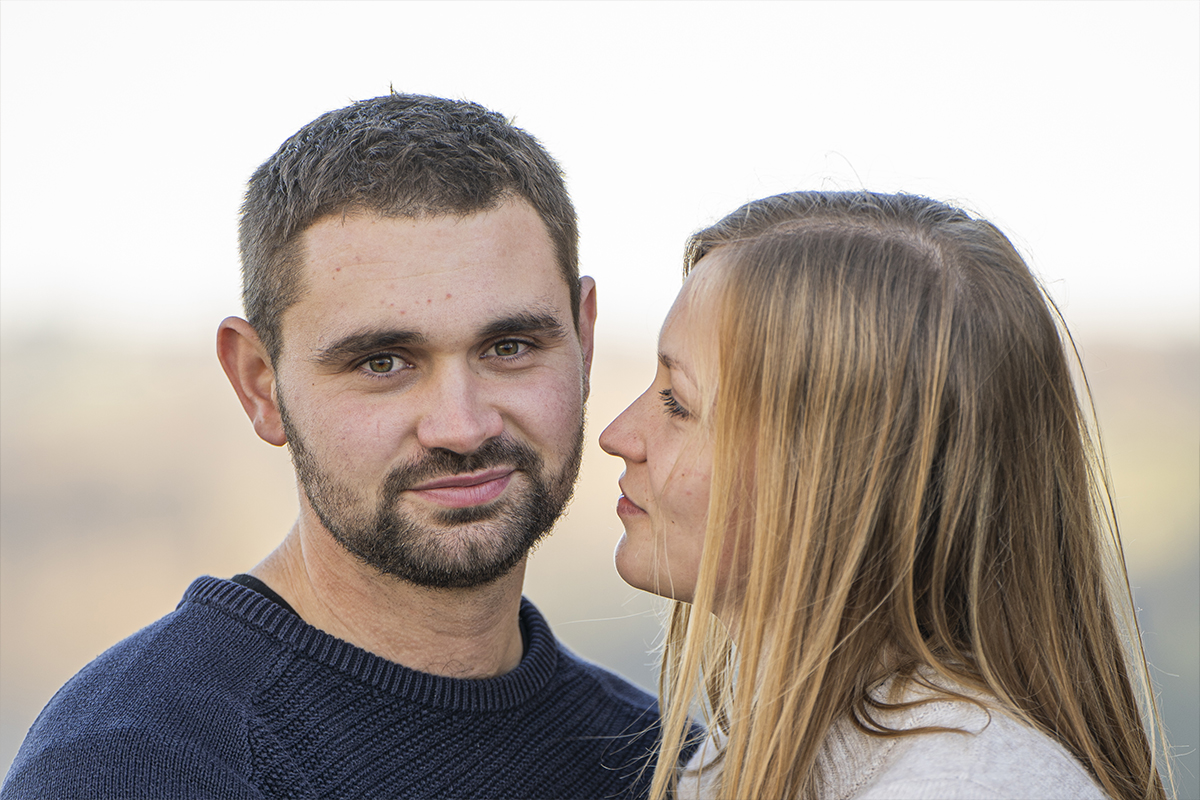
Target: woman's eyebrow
<point x="365" y="342"/>
<point x="673" y="364"/>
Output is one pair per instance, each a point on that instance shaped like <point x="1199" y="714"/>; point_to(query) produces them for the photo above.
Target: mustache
<point x="438" y="463"/>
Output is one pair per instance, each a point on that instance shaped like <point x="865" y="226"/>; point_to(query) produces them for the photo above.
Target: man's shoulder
<point x="178" y="690"/>
<point x="577" y="679"/>
<point x="124" y="758"/>
<point x="608" y="686"/>
<point x="204" y="642"/>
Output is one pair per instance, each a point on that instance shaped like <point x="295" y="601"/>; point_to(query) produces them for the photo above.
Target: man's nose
<point x="458" y="416"/>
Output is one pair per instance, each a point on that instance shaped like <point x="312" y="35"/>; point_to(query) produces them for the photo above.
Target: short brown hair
<point x="399" y="156"/>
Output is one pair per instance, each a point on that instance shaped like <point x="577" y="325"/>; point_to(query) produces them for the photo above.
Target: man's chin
<point x="453" y="567"/>
<point x="465" y="515"/>
<point x="450" y="580"/>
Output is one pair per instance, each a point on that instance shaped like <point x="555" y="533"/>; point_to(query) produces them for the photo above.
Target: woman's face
<point x="668" y="460"/>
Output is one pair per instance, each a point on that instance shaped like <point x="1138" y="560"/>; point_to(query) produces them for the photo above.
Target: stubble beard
<point x="456" y="548"/>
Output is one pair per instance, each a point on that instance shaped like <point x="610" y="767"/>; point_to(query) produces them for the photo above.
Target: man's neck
<point x="459" y="633"/>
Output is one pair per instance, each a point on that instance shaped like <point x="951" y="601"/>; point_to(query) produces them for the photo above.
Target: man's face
<point x="431" y="385"/>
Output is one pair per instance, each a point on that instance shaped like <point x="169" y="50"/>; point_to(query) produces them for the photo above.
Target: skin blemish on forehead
<point x="447" y="295"/>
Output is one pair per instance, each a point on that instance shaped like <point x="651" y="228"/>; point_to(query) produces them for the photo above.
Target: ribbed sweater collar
<point x="452" y="694"/>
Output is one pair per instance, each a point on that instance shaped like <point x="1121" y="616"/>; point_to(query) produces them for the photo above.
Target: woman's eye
<point x="509" y="347"/>
<point x="672" y="405"/>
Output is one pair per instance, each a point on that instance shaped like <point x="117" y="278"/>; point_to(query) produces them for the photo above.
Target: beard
<point x="449" y="548"/>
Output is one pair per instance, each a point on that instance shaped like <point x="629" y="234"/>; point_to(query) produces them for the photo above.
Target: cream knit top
<point x="997" y="757"/>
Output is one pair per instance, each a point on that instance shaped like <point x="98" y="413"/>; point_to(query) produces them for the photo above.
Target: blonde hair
<point x="924" y="495"/>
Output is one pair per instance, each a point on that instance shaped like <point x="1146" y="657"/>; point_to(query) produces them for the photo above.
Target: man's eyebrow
<point x="546" y="326"/>
<point x="365" y="343"/>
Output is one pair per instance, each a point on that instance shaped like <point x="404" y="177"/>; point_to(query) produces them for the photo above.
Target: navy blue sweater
<point x="233" y="696"/>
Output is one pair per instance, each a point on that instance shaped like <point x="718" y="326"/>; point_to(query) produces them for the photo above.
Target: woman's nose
<point x="622" y="438"/>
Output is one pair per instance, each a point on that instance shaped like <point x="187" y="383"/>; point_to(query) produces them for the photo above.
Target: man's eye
<point x="509" y="347"/>
<point x="381" y="365"/>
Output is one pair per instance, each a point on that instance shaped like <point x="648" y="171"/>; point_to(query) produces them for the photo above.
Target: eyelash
<point x="525" y="345"/>
<point x="364" y="366"/>
<point x="672" y="405"/>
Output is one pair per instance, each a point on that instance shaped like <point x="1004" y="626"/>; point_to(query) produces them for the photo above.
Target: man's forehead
<point x="429" y="279"/>
<point x="471" y="323"/>
<point x="335" y="345"/>
<point x="514" y="229"/>
<point x="511" y="238"/>
<point x="423" y="320"/>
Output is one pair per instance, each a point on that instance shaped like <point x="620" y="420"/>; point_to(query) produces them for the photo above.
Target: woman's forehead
<point x="687" y="343"/>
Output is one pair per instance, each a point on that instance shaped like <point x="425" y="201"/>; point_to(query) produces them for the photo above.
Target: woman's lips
<point x="627" y="508"/>
<point x="460" y="491"/>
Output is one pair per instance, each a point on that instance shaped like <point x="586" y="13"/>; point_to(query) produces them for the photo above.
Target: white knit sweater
<point x="998" y="757"/>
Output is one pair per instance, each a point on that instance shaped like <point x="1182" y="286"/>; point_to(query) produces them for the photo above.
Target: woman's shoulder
<point x="986" y="754"/>
<point x="700" y="776"/>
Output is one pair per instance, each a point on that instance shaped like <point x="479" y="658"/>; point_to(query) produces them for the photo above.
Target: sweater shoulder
<point x="614" y="706"/>
<point x="612" y="687"/>
<point x="173" y="699"/>
<point x="190" y="660"/>
<point x="577" y="680"/>
<point x="124" y="760"/>
<point x="990" y="755"/>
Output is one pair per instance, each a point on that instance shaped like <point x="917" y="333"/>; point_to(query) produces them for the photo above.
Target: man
<point x="419" y="337"/>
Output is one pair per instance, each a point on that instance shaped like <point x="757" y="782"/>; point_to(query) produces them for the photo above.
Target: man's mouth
<point x="461" y="491"/>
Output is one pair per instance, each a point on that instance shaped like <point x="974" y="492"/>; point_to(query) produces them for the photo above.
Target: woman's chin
<point x="626" y="564"/>
<point x="636" y="567"/>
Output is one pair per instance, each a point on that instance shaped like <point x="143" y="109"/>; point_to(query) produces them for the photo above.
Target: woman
<point x="863" y="474"/>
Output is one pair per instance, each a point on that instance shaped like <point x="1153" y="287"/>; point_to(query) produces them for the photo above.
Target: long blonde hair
<point x="924" y="495"/>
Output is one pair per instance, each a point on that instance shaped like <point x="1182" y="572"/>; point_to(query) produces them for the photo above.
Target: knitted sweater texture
<point x="987" y="755"/>
<point x="232" y="696"/>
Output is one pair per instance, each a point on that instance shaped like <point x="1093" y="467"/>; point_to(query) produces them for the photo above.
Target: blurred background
<point x="127" y="131"/>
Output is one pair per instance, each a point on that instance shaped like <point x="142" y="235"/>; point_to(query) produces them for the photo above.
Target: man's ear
<point x="587" y="328"/>
<point x="249" y="370"/>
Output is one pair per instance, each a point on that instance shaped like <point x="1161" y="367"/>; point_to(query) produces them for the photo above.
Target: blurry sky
<point x="127" y="131"/>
